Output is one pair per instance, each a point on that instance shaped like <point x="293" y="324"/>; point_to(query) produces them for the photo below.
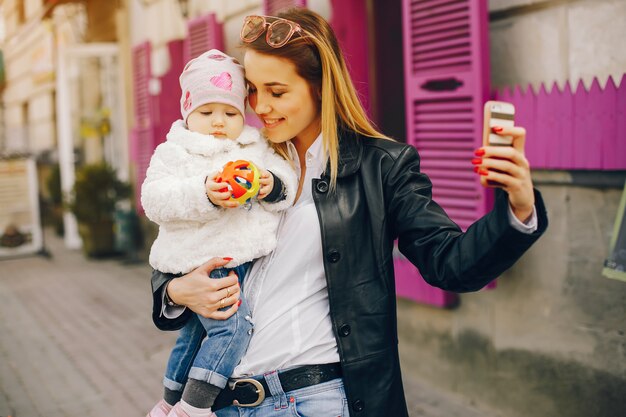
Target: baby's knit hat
<point x="213" y="77"/>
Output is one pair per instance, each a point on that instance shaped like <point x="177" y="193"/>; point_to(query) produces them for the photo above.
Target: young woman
<point x="323" y="303"/>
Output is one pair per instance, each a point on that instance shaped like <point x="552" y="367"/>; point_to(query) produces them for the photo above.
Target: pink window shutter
<point x="446" y="67"/>
<point x="271" y="7"/>
<point x="167" y="101"/>
<point x="204" y="33"/>
<point x="349" y="22"/>
<point x="141" y="77"/>
<point x="142" y="136"/>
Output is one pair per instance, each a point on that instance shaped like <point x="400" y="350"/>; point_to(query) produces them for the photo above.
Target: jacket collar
<point x="350" y="152"/>
<point x="206" y="145"/>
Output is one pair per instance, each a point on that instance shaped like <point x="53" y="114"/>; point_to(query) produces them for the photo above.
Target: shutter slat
<point x="204" y="33"/>
<point x="436" y="22"/>
<point x="446" y="9"/>
<point x="446" y="29"/>
<point x="420" y="5"/>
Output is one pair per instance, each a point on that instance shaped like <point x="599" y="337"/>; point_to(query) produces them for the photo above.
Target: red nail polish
<point x="496" y="129"/>
<point x="476" y="169"/>
<point x="239" y="303"/>
<point x="477" y="161"/>
<point x="479" y="152"/>
<point x="483" y="172"/>
<point x="227" y="259"/>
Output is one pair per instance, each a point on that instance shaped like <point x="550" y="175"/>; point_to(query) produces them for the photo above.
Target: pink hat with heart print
<point x="213" y="77"/>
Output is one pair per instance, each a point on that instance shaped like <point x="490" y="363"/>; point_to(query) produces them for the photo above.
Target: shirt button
<point x="345" y="330"/>
<point x="333" y="256"/>
<point x="358" y="405"/>
<point x="322" y="186"/>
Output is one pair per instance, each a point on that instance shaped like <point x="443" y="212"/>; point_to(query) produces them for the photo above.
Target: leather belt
<point x="250" y="392"/>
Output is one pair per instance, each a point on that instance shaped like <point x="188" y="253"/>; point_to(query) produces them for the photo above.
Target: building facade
<point x="550" y="338"/>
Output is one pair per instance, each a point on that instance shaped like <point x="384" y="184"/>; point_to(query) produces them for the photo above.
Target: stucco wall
<point x="550" y="340"/>
<point x="555" y="41"/>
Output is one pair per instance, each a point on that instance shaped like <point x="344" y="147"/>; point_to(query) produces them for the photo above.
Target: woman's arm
<point x="446" y="257"/>
<point x="194" y="291"/>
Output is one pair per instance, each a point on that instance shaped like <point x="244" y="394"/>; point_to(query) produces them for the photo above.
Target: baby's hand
<point x="218" y="193"/>
<point x="267" y="184"/>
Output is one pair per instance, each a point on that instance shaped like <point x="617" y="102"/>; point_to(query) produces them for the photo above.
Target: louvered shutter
<point x="446" y="67"/>
<point x="271" y="7"/>
<point x="168" y="100"/>
<point x="143" y="134"/>
<point x="349" y="22"/>
<point x="204" y="33"/>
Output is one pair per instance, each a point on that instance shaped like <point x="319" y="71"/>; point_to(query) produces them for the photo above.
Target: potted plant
<point x="96" y="192"/>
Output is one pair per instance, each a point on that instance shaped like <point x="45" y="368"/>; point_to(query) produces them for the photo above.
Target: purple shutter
<point x="168" y="100"/>
<point x="272" y="7"/>
<point x="349" y="22"/>
<point x="204" y="33"/>
<point x="142" y="135"/>
<point x="446" y="67"/>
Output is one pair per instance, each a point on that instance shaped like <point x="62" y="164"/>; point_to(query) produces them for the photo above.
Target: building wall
<point x="555" y="41"/>
<point x="551" y="338"/>
<point x="29" y="82"/>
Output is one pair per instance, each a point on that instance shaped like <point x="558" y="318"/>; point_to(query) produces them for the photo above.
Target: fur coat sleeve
<point x="167" y="197"/>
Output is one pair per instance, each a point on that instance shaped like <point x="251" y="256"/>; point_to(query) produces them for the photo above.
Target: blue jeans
<point x="327" y="399"/>
<point x="214" y="359"/>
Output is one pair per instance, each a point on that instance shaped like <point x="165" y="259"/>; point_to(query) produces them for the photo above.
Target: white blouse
<point x="287" y="292"/>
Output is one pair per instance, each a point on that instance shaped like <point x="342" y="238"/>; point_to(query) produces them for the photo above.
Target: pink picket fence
<point x="573" y="129"/>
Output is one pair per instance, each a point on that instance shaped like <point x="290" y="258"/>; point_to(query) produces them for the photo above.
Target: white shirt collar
<point x="315" y="158"/>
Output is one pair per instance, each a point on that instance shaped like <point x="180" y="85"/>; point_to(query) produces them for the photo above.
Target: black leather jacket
<point x="381" y="195"/>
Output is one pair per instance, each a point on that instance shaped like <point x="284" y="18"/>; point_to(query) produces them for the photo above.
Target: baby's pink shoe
<point x="178" y="411"/>
<point x="161" y="409"/>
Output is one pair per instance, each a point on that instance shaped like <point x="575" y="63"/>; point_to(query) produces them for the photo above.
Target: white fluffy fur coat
<point x="192" y="230"/>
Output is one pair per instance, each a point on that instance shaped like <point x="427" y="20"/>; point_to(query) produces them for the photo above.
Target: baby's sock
<point x="199" y="394"/>
<point x="195" y="411"/>
<point x="171" y="397"/>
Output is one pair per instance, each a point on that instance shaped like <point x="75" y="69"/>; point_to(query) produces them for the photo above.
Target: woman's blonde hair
<point x="318" y="59"/>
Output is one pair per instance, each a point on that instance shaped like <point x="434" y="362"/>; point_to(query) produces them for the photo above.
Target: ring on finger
<point x="222" y="302"/>
<point x="228" y="292"/>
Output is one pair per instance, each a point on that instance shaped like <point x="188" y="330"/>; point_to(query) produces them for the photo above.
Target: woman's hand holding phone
<point x="505" y="166"/>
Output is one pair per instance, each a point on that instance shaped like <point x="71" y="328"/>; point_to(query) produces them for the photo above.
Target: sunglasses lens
<point x="279" y="33"/>
<point x="252" y="28"/>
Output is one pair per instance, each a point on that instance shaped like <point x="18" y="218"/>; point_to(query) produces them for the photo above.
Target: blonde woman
<point x="323" y="303"/>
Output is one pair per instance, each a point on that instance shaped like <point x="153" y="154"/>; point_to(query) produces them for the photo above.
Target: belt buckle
<point x="259" y="390"/>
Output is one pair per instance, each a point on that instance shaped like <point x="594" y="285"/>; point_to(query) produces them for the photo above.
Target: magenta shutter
<point x="168" y="100"/>
<point x="271" y="7"/>
<point x="141" y="77"/>
<point x="349" y="21"/>
<point x="142" y="135"/>
<point x="204" y="33"/>
<point x="446" y="67"/>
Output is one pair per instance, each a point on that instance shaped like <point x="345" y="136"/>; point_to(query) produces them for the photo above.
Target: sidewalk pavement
<point x="77" y="340"/>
